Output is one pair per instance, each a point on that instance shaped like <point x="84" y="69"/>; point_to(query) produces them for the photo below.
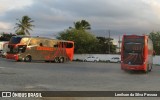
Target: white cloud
<point x="134" y="16"/>
<point x="5" y="26"/>
<point x="155" y="6"/>
<point x="6" y="5"/>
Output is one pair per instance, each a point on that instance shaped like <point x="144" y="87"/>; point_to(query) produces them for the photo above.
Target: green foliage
<point x="24" y="25"/>
<point x="82" y="25"/>
<point x="155" y="37"/>
<point x="6" y="37"/>
<point x="84" y="41"/>
<point x="104" y="44"/>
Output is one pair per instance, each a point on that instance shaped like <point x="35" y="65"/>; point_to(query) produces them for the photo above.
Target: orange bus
<point x="136" y="53"/>
<point x="27" y="48"/>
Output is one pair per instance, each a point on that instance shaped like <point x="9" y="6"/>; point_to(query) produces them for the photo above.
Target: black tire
<point x="61" y="60"/>
<point x="18" y="60"/>
<point x="28" y="59"/>
<point x="56" y="60"/>
<point x="46" y="61"/>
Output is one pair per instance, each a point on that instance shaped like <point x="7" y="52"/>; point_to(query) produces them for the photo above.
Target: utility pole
<point x="109" y="42"/>
<point x="119" y="43"/>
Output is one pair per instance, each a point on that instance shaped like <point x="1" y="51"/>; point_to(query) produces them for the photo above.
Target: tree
<point x="6" y="37"/>
<point x="24" y="25"/>
<point x="155" y="37"/>
<point x="84" y="41"/>
<point x="82" y="25"/>
<point x="104" y="43"/>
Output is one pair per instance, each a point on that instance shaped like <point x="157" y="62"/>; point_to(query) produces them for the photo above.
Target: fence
<point x="104" y="57"/>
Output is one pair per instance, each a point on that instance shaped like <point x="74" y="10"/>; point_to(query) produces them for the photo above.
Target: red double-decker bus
<point x="27" y="48"/>
<point x="136" y="53"/>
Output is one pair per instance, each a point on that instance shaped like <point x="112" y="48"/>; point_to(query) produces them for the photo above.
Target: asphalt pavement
<point x="74" y="76"/>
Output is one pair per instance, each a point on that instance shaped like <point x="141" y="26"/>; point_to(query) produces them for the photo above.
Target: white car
<point x="92" y="59"/>
<point x="115" y="60"/>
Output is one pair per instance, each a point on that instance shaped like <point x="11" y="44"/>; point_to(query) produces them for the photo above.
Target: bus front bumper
<point x="133" y="67"/>
<point x="12" y="56"/>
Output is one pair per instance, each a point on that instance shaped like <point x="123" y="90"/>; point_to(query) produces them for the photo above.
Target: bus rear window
<point x="133" y="48"/>
<point x="15" y="40"/>
<point x="134" y="40"/>
<point x="133" y="44"/>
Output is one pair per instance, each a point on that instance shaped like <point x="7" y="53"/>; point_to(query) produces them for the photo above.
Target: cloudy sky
<point x="52" y="16"/>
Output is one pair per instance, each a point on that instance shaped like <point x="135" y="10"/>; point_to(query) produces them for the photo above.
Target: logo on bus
<point x="45" y="48"/>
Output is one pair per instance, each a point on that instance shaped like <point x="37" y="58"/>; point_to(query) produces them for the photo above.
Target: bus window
<point x="33" y="42"/>
<point x="49" y="43"/>
<point x="24" y="41"/>
<point x="69" y="45"/>
<point x="15" y="40"/>
<point x="55" y="44"/>
<point x="133" y="47"/>
<point x="40" y="44"/>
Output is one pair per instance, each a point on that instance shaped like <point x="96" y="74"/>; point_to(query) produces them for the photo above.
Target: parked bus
<point x="136" y="53"/>
<point x="27" y="48"/>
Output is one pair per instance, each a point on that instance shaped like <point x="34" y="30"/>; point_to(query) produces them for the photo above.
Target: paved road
<point x="74" y="76"/>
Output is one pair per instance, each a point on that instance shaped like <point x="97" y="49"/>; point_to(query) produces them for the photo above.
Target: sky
<point x="52" y="16"/>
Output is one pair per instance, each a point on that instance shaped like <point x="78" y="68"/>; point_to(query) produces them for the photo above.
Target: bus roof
<point x="22" y="36"/>
<point x="134" y="36"/>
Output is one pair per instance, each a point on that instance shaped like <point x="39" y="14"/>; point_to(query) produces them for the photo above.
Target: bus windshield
<point x="133" y="45"/>
<point x="15" y="40"/>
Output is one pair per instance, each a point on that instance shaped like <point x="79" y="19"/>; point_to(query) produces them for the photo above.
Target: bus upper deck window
<point x="69" y="45"/>
<point x="40" y="44"/>
<point x="56" y="45"/>
<point x="24" y="41"/>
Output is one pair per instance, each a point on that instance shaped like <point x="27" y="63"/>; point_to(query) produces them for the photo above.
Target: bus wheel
<point x="56" y="59"/>
<point x="28" y="59"/>
<point x="61" y="59"/>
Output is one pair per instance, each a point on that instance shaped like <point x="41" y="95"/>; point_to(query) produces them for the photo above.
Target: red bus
<point x="27" y="48"/>
<point x="136" y="53"/>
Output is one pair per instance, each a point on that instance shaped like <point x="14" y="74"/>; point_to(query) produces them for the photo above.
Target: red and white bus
<point x="27" y="48"/>
<point x="136" y="53"/>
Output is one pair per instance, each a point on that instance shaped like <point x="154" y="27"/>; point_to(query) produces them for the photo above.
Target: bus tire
<point x="28" y="58"/>
<point x="56" y="59"/>
<point x="61" y="60"/>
